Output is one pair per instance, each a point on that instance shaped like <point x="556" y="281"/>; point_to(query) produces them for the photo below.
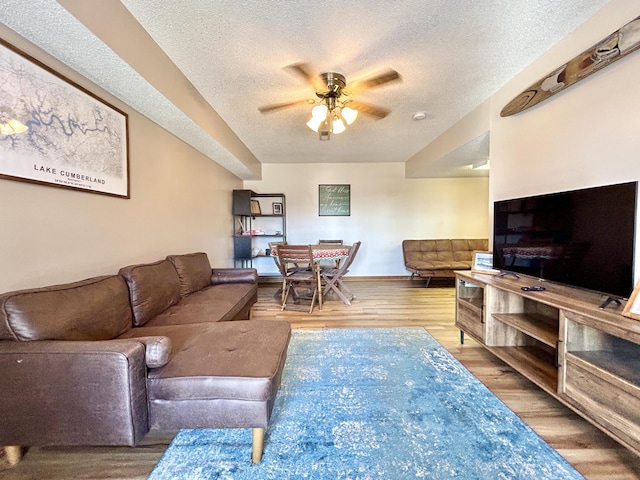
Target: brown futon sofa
<point x="440" y="258"/>
<point x="166" y="345"/>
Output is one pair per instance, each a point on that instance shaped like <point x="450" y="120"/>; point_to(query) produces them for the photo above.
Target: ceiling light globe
<point x="338" y="126"/>
<point x="319" y="112"/>
<point x="314" y="123"/>
<point x="349" y="115"/>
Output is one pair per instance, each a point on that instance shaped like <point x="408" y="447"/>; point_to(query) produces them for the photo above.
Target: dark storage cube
<point x="242" y="248"/>
<point x="241" y="202"/>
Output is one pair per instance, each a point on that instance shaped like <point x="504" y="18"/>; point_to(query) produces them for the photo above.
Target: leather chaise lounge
<point x="166" y="345"/>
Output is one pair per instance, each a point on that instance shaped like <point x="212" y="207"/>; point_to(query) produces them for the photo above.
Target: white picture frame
<point x="483" y="263"/>
<point x="632" y="307"/>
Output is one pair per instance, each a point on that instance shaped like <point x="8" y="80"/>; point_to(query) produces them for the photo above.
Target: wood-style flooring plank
<point x="379" y="303"/>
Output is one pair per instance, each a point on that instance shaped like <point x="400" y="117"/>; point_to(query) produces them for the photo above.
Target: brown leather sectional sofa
<point x="104" y="360"/>
<point x="440" y="258"/>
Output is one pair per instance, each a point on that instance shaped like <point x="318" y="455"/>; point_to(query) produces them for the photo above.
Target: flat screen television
<point x="583" y="238"/>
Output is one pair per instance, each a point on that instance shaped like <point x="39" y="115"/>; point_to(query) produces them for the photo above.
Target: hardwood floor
<point x="379" y="303"/>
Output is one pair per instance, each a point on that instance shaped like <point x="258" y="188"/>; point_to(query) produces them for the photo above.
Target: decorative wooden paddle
<point x="617" y="45"/>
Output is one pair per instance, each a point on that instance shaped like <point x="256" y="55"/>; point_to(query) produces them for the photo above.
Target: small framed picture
<point x="632" y="308"/>
<point x="483" y="263"/>
<point x="277" y="208"/>
<point x="255" y="208"/>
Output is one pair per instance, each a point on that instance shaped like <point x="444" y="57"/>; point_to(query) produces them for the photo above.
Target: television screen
<point x="583" y="238"/>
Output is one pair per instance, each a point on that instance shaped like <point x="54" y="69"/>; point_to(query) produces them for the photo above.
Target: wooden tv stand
<point x="586" y="357"/>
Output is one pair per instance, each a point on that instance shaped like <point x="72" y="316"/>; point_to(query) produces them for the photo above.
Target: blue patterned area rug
<point x="373" y="404"/>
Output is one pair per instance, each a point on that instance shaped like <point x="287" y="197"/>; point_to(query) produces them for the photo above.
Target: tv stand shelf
<point x="539" y="364"/>
<point x="586" y="357"/>
<point x="534" y="325"/>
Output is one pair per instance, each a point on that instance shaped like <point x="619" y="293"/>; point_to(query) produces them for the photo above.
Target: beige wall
<point x="586" y="136"/>
<point x="386" y="208"/>
<point x="180" y="202"/>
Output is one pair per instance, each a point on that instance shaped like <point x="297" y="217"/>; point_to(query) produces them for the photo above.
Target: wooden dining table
<point x="321" y="252"/>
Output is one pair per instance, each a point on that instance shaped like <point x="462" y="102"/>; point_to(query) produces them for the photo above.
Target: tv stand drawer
<point x="469" y="318"/>
<point x="606" y="399"/>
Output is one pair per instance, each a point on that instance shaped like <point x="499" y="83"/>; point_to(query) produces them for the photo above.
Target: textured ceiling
<point x="452" y="55"/>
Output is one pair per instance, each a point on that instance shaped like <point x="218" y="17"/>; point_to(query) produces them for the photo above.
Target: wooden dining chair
<point x="333" y="277"/>
<point x="273" y="246"/>
<point x="334" y="263"/>
<point x="294" y="277"/>
<point x="330" y="242"/>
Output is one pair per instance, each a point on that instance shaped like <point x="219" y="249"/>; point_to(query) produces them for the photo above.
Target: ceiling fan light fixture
<point x="319" y="115"/>
<point x="319" y="111"/>
<point x="314" y="123"/>
<point x="333" y="114"/>
<point x="337" y="125"/>
<point x="349" y="115"/>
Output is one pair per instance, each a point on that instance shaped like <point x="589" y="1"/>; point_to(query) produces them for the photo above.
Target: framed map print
<point x="54" y="132"/>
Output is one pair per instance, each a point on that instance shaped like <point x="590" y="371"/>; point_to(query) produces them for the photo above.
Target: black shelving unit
<point x="258" y="218"/>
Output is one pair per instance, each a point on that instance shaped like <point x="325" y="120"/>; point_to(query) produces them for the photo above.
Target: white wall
<point x="586" y="136"/>
<point x="386" y="208"/>
<point x="180" y="202"/>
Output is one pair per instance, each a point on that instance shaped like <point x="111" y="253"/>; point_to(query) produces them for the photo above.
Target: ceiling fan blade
<point x="309" y="74"/>
<point x="368" y="109"/>
<point x="278" y="106"/>
<point x="359" y="86"/>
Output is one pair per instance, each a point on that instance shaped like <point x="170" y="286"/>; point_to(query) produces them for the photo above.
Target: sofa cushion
<point x="463" y="249"/>
<point x="212" y="304"/>
<point x="440" y="265"/>
<point x="153" y="287"/>
<point x="92" y="309"/>
<point x="444" y="251"/>
<point x="411" y="251"/>
<point x="194" y="271"/>
<point x="228" y="360"/>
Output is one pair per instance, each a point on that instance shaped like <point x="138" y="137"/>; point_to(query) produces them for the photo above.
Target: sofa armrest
<point x="157" y="350"/>
<point x="233" y="275"/>
<point x="73" y="392"/>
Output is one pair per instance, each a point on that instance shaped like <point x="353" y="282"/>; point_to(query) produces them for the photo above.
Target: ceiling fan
<point x="334" y="107"/>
